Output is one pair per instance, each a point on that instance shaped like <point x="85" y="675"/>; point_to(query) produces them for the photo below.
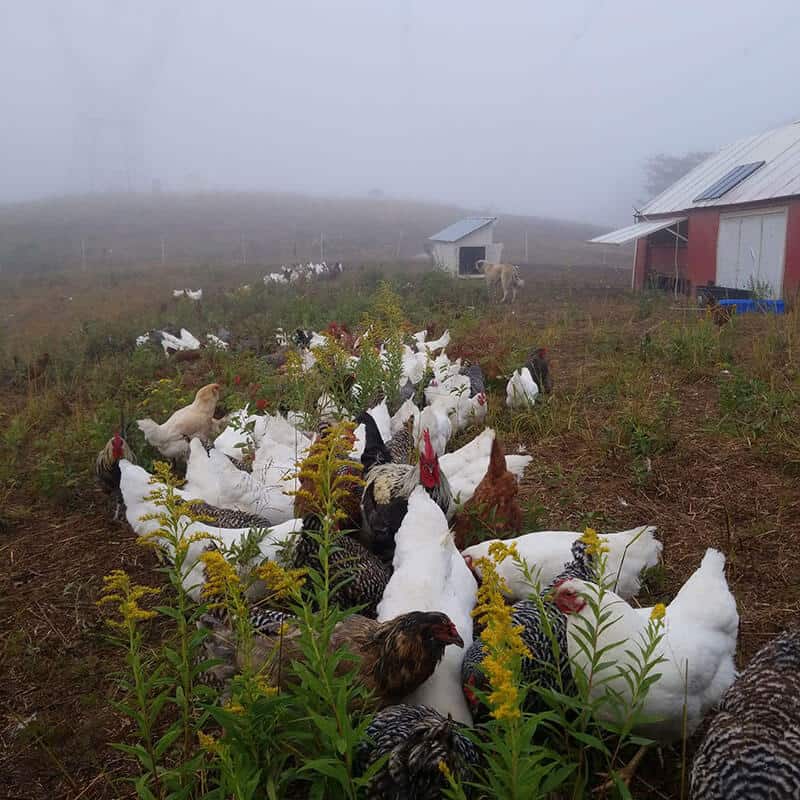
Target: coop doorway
<point x="467" y="256"/>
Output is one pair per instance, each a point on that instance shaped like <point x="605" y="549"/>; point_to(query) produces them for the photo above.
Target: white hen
<point x="521" y="389"/>
<point x="465" y="468"/>
<point x="546" y="552"/>
<point x="135" y="487"/>
<point x="398" y="421"/>
<point x="216" y="480"/>
<point x="698" y="646"/>
<point x="436" y="420"/>
<point x="433" y="345"/>
<point x="430" y="575"/>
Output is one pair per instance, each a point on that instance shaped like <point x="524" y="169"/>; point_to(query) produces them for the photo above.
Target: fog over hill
<point x="111" y="231"/>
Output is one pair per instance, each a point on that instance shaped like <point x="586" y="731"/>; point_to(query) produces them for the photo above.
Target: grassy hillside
<point x="216" y="228"/>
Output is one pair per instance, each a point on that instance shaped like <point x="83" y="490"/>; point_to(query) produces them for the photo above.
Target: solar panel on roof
<point x="728" y="181"/>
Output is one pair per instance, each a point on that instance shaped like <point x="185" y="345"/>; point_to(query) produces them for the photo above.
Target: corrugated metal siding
<point x="458" y="230"/>
<point x="779" y="177"/>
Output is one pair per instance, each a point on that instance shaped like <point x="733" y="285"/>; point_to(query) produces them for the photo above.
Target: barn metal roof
<point x="778" y="177"/>
<point x="635" y="231"/>
<point x="458" y="230"/>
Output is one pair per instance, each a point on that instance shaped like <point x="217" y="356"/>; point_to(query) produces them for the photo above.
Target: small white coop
<point x="456" y="248"/>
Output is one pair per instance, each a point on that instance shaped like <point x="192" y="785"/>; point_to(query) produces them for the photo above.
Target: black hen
<point x="752" y="747"/>
<point x="375" y="451"/>
<point x="539" y="368"/>
<point x="416" y="739"/>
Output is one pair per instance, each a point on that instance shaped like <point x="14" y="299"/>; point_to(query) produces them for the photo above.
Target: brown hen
<point x="396" y="656"/>
<point x="493" y="510"/>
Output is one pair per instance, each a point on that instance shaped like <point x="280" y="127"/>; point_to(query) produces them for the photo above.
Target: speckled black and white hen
<point x="360" y="577"/>
<point x="416" y="739"/>
<point x="229" y="517"/>
<point x="477" y="383"/>
<point x="543" y="668"/>
<point x="751" y="750"/>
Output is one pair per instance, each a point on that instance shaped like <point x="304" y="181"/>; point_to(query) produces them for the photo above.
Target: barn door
<point x="750" y="249"/>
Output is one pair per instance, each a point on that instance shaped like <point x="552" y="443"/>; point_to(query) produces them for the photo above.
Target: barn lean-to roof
<point x="464" y="227"/>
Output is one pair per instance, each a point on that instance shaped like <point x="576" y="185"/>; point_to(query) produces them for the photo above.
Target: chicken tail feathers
<point x="150" y="429"/>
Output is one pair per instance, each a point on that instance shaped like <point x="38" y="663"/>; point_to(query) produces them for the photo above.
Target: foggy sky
<point x="525" y="106"/>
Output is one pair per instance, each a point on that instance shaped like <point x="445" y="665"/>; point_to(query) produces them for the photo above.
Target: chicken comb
<point x="429" y="454"/>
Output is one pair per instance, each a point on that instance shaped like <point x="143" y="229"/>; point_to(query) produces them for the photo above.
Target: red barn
<point x="733" y="221"/>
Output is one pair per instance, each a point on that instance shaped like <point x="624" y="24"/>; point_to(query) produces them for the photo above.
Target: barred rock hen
<point x="539" y="367"/>
<point x="229" y="517"/>
<point x="359" y="577"/>
<point x="384" y="502"/>
<point x="752" y="747"/>
<point x="544" y="667"/>
<point x="401" y="446"/>
<point x="477" y="383"/>
<point x="494" y="508"/>
<point x="395" y="656"/>
<point x="106" y="468"/>
<point x="417" y="739"/>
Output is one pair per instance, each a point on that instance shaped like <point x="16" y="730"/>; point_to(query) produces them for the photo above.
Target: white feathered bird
<point x="186" y="341"/>
<point x="521" y="389"/>
<point x="398" y="421"/>
<point x="171" y="438"/>
<point x="430" y="575"/>
<point x="135" y="487"/>
<point x="698" y="647"/>
<point x="436" y="420"/>
<point x="264" y="492"/>
<point x="432" y="345"/>
<point x="545" y="552"/>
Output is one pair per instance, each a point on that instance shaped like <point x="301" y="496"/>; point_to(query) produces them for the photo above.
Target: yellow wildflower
<point x="595" y="545"/>
<point x="280" y="582"/>
<point x="207" y="742"/>
<point x="221" y="577"/>
<point x="264" y="687"/>
<point x="502" y="639"/>
<point x="445" y="770"/>
<point x="117" y="588"/>
<point x="658" y="612"/>
<point x="235" y="708"/>
<point x="500" y="551"/>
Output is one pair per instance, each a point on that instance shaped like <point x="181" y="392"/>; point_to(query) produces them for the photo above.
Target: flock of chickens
<point x="406" y="551"/>
<point x="304" y="272"/>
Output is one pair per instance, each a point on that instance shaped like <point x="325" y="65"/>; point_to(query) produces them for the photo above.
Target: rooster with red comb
<point x="384" y="502"/>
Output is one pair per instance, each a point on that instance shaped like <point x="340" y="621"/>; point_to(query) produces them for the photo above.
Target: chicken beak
<point x="458" y="640"/>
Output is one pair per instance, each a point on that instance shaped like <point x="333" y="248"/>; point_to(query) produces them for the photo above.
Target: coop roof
<point x="464" y="227"/>
<point x="763" y="167"/>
